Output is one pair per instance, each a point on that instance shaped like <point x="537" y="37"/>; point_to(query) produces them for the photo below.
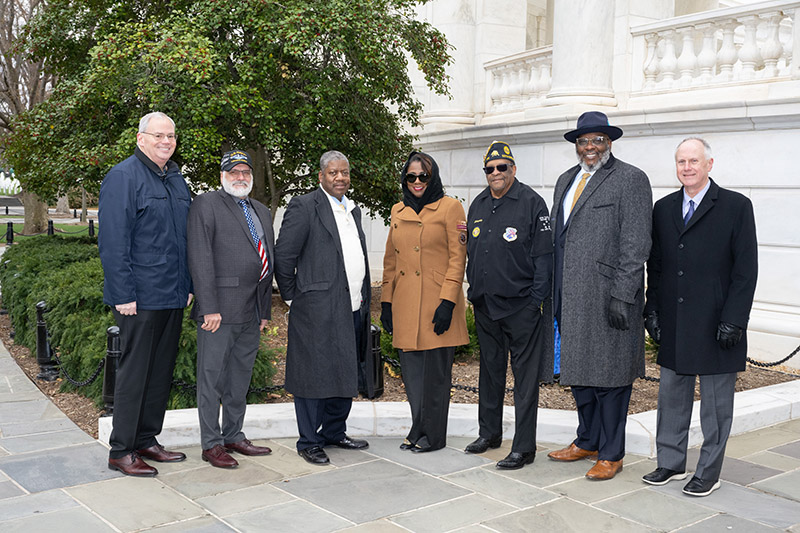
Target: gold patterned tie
<point x="579" y="190"/>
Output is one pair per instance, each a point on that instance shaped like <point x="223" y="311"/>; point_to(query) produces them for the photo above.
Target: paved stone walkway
<point x="53" y="477"/>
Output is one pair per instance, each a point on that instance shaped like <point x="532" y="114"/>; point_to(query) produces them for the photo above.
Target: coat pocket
<point x="606" y="270"/>
<point x="316" y="286"/>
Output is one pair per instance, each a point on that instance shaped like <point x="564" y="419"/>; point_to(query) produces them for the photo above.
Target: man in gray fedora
<point x="601" y="220"/>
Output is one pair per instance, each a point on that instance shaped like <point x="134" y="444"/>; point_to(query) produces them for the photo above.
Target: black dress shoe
<point x="480" y="445"/>
<point x="516" y="460"/>
<point x="407" y="445"/>
<point x="662" y="476"/>
<point x="314" y="455"/>
<point x="350" y="444"/>
<point x="698" y="487"/>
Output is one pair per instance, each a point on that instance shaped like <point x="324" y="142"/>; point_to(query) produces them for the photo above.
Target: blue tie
<point x="261" y="251"/>
<point x="689" y="213"/>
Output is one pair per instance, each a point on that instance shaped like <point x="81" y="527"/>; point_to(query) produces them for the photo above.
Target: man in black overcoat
<point x="701" y="279"/>
<point x="321" y="268"/>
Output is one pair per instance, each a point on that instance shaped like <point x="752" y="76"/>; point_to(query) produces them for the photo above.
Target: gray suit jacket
<point x="601" y="253"/>
<point x="322" y="356"/>
<point x="224" y="261"/>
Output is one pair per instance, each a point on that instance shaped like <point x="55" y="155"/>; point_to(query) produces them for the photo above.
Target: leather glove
<point x="728" y="335"/>
<point x="443" y="316"/>
<point x="618" y="312"/>
<point x="652" y="326"/>
<point x="386" y="317"/>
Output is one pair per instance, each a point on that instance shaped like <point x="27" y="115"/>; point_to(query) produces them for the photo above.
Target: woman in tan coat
<point x="422" y="303"/>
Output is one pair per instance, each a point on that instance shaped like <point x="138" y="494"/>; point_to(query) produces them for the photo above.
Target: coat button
<point x="396" y="251"/>
<point x="680" y="246"/>
<point x="417" y="272"/>
<point x="416" y="248"/>
<point x="395" y="225"/>
<point x="680" y="272"/>
<point x="419" y="224"/>
<point x="680" y="300"/>
<point x="402" y="273"/>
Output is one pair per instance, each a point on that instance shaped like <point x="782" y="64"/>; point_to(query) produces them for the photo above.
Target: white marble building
<point x="661" y="70"/>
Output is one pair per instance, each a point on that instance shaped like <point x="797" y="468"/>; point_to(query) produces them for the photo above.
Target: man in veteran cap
<point x="230" y="258"/>
<point x="601" y="224"/>
<point x="509" y="249"/>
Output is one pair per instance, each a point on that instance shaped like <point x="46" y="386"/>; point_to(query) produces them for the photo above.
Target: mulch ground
<point x="83" y="412"/>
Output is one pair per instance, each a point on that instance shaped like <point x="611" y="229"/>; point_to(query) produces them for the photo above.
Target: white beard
<point x="237" y="191"/>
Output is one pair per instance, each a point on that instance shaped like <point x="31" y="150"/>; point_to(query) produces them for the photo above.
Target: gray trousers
<point x="225" y="361"/>
<point x="675" y="399"/>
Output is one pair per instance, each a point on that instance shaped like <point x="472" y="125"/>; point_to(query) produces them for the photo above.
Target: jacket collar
<point x="161" y="173"/>
<point x="705" y="206"/>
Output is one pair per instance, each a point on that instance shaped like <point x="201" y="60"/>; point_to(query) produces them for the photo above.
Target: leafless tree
<point x="23" y="84"/>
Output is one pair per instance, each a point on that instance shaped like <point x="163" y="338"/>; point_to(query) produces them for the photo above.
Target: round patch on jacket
<point x="476" y="231"/>
<point x="462" y="237"/>
<point x="510" y="235"/>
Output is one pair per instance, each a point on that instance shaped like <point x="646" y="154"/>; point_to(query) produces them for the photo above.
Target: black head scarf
<point x="432" y="193"/>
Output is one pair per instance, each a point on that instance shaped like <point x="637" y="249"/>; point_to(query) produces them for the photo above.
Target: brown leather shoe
<point x="218" y="457"/>
<point x="157" y="453"/>
<point x="132" y="465"/>
<point x="245" y="447"/>
<point x="571" y="453"/>
<point x="603" y="470"/>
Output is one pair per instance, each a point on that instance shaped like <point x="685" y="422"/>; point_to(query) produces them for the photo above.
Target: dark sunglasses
<point x="423" y="178"/>
<point x="500" y="168"/>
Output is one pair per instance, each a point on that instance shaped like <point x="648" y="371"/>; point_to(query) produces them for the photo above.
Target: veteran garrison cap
<point x="233" y="158"/>
<point x="498" y="150"/>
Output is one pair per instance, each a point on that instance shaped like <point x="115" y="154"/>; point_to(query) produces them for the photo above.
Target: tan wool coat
<point x="424" y="263"/>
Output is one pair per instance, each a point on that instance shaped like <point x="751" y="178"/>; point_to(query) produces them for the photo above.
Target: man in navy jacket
<point x="701" y="278"/>
<point x="144" y="202"/>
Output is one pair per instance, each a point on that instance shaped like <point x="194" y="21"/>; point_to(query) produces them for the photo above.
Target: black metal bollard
<point x="74" y="213"/>
<point x="48" y="367"/>
<point x="50" y="230"/>
<point x="91" y="228"/>
<point x="10" y="233"/>
<point x="110" y="369"/>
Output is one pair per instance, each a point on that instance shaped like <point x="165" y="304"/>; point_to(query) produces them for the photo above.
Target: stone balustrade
<point x="745" y="44"/>
<point x="518" y="81"/>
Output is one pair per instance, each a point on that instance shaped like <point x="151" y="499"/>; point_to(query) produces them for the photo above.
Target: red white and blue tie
<point x="261" y="251"/>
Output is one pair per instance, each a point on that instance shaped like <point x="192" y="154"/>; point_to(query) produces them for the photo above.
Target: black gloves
<point x="728" y="335"/>
<point x="443" y="316"/>
<point x="618" y="312"/>
<point x="652" y="326"/>
<point x="386" y="317"/>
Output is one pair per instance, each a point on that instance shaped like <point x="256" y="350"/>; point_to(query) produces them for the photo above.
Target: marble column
<point x="583" y="53"/>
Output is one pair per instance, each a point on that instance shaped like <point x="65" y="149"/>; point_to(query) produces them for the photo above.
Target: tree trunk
<point x="62" y="206"/>
<point x="84" y="211"/>
<point x="259" y="183"/>
<point x="35" y="214"/>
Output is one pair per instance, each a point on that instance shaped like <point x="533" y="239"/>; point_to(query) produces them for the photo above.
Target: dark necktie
<point x="689" y="213"/>
<point x="261" y="251"/>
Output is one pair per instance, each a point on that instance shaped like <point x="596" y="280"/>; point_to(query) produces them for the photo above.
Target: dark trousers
<point x="521" y="335"/>
<point x="225" y="361"/>
<point x="602" y="415"/>
<point x="427" y="375"/>
<point x="149" y="345"/>
<point x="675" y="400"/>
<point x="321" y="421"/>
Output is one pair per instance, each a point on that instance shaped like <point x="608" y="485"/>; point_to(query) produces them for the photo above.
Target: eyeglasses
<point x="597" y="141"/>
<point x="160" y="136"/>
<point x="423" y="178"/>
<point x="499" y="168"/>
<point x="243" y="173"/>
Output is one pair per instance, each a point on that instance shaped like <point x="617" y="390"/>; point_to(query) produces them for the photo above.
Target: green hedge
<point x="66" y="273"/>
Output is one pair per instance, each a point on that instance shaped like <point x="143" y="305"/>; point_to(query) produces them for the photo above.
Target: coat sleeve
<point x="200" y="227"/>
<point x="635" y="222"/>
<point x="389" y="268"/>
<point x="653" y="272"/>
<point x="542" y="255"/>
<point x="291" y="240"/>
<point x="117" y="215"/>
<point x="455" y="220"/>
<point x="744" y="256"/>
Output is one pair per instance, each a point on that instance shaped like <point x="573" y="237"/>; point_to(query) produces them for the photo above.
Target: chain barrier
<point x="774" y="363"/>
<point x="61" y="231"/>
<point x="72" y="380"/>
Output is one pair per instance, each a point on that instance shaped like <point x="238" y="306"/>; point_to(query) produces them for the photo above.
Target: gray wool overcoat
<point x="321" y="356"/>
<point x="602" y="249"/>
